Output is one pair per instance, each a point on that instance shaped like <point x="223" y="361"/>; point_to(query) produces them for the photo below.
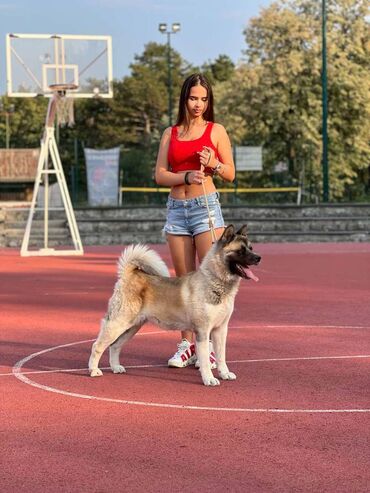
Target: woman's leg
<point x="182" y="252"/>
<point x="203" y="242"/>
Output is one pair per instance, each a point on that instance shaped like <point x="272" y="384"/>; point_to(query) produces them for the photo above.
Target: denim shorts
<point x="190" y="217"/>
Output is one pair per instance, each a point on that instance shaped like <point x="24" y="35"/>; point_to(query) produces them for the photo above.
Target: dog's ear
<point x="243" y="230"/>
<point x="229" y="234"/>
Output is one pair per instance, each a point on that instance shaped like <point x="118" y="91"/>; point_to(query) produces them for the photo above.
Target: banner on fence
<point x="281" y="167"/>
<point x="18" y="165"/>
<point x="102" y="168"/>
<point x="248" y="158"/>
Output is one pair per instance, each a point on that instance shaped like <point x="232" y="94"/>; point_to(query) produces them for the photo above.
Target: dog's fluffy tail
<point x="143" y="258"/>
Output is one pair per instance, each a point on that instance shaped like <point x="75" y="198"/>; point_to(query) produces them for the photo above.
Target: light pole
<point x="163" y="29"/>
<point x="7" y="111"/>
<point x="324" y="83"/>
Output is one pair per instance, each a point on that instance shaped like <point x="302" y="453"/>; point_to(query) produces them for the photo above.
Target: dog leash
<point x="210" y="221"/>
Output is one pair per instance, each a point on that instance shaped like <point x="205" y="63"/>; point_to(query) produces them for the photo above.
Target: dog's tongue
<point x="250" y="274"/>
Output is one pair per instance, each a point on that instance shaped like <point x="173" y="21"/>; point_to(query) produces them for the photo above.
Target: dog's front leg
<point x="202" y="350"/>
<point x="219" y="336"/>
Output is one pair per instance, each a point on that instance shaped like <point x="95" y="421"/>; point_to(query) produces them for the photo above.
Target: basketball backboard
<point x="36" y="62"/>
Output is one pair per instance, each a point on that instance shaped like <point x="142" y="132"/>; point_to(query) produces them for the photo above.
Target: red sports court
<point x="296" y="418"/>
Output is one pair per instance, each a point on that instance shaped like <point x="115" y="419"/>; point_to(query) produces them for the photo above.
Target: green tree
<point x="145" y="92"/>
<point x="220" y="70"/>
<point x="26" y="122"/>
<point x="278" y="98"/>
<point x="137" y="114"/>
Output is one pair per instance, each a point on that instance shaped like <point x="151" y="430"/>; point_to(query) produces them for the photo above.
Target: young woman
<point x="190" y="154"/>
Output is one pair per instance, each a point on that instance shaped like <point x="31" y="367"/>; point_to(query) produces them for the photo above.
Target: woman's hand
<point x="196" y="177"/>
<point x="207" y="157"/>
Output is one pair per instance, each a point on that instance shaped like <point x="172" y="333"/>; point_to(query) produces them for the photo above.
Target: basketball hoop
<point x="62" y="68"/>
<point x="64" y="105"/>
<point x="63" y="87"/>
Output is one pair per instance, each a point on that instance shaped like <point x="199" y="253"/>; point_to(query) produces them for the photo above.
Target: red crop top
<point x="182" y="154"/>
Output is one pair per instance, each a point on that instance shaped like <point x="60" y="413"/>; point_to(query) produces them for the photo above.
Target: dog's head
<point x="238" y="252"/>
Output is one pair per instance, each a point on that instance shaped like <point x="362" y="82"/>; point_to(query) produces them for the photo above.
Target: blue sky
<point x="208" y="27"/>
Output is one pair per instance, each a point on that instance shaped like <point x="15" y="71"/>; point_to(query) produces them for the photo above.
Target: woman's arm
<point x="225" y="165"/>
<point x="163" y="176"/>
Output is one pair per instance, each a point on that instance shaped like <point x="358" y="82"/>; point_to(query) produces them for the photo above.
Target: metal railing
<point x="297" y="190"/>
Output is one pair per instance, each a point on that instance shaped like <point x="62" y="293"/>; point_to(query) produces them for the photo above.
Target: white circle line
<point x="261" y="360"/>
<point x="295" y="326"/>
<point x="20" y="376"/>
<point x="301" y="358"/>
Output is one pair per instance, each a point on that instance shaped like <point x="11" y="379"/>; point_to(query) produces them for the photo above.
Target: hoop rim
<point x="63" y="87"/>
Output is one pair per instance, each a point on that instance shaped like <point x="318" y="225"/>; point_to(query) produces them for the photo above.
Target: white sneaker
<point x="212" y="358"/>
<point x="184" y="356"/>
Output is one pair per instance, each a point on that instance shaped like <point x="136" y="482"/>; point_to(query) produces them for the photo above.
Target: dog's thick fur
<point x="201" y="301"/>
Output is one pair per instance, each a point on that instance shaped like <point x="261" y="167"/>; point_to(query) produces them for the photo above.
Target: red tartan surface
<point x="299" y="342"/>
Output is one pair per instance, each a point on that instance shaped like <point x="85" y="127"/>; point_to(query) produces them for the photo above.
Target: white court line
<point x="295" y="326"/>
<point x="21" y="376"/>
<point x="261" y="360"/>
<point x="300" y="358"/>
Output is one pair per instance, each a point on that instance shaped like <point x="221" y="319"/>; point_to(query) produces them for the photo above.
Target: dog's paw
<point x="211" y="381"/>
<point x="95" y="372"/>
<point x="118" y="369"/>
<point x="228" y="375"/>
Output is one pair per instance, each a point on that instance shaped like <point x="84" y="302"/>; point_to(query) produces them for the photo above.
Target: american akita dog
<point x="202" y="301"/>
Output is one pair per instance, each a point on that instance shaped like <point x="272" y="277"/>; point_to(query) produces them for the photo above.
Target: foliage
<point x="26" y="122"/>
<point x="278" y="101"/>
<point x="220" y="70"/>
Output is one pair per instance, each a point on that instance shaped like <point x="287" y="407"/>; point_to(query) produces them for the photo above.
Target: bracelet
<point x="186" y="178"/>
<point x="217" y="168"/>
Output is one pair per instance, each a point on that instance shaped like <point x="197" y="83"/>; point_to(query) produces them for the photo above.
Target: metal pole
<point x="169" y="78"/>
<point x="7" y="130"/>
<point x="325" y="163"/>
<point x="75" y="194"/>
<point x="163" y="29"/>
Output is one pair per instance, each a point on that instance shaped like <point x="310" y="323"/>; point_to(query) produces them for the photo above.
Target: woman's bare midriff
<point x="183" y="192"/>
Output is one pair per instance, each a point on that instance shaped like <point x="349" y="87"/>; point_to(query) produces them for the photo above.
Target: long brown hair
<point x="183" y="114"/>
